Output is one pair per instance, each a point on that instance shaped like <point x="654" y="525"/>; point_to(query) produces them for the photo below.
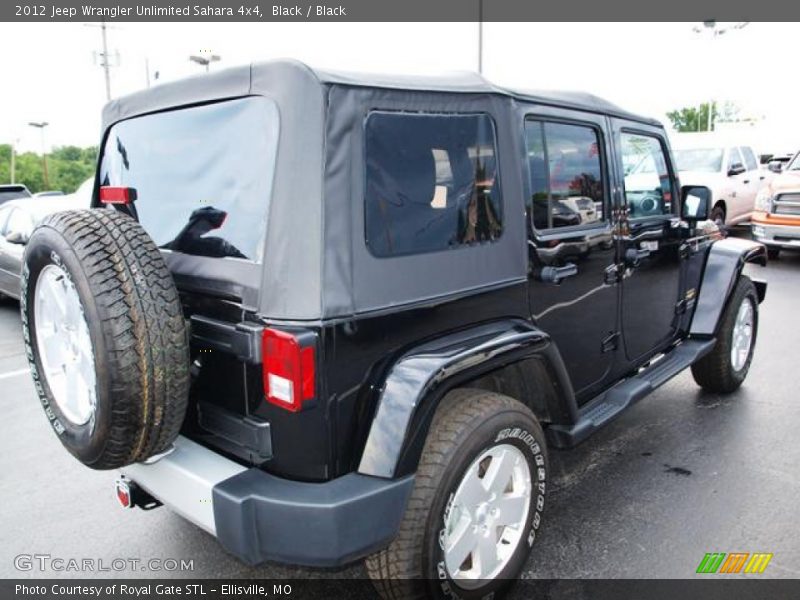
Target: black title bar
<point x="398" y="10"/>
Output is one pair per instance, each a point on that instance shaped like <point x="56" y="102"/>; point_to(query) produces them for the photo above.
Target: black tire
<point x="773" y="252"/>
<point x="467" y="423"/>
<point x="718" y="216"/>
<point x="715" y="372"/>
<point x="137" y="330"/>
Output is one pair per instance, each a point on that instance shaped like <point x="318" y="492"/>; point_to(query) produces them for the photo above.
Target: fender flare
<point x="419" y="379"/>
<point x="724" y="263"/>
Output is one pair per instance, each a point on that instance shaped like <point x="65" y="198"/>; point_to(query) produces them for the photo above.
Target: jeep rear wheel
<point x="476" y="505"/>
<point x="725" y="368"/>
<point x="105" y="337"/>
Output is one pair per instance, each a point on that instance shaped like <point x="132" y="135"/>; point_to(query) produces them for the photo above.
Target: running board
<point x="613" y="401"/>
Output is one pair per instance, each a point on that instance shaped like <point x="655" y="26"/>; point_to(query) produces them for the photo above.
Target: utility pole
<point x="102" y="57"/>
<point x="105" y="60"/>
<point x="40" y="125"/>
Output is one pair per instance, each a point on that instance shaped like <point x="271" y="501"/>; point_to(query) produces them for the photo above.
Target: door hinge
<point x="610" y="343"/>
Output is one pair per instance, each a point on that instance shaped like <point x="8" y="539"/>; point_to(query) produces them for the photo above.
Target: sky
<point x="648" y="68"/>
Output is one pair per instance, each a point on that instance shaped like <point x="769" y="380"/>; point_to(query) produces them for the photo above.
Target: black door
<point x="572" y="293"/>
<point x="649" y="240"/>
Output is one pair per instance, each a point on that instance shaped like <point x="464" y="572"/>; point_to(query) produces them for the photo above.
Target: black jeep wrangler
<point x="328" y="317"/>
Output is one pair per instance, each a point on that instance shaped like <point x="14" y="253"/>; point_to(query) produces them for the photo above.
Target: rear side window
<point x="203" y="175"/>
<point x="431" y="182"/>
<point x="566" y="174"/>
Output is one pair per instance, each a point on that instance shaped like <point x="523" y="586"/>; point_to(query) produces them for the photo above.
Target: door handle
<point x="557" y="274"/>
<point x="634" y="256"/>
<point x="746" y="181"/>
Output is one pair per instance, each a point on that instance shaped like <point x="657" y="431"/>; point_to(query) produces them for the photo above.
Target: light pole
<point x="480" y="37"/>
<point x="715" y="31"/>
<point x="14" y="143"/>
<point x="205" y="60"/>
<point x="40" y="125"/>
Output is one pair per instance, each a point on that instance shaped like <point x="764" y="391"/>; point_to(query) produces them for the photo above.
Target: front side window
<point x="431" y="182"/>
<point x="203" y="175"/>
<point x="648" y="185"/>
<point x="749" y="158"/>
<point x="566" y="174"/>
<point x="735" y="158"/>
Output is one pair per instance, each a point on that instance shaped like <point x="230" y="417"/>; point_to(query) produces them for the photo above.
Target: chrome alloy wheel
<point x="65" y="346"/>
<point x="486" y="515"/>
<point x="742" y="337"/>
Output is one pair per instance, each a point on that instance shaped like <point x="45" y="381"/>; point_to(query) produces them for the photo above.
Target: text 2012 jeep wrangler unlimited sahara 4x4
<point x="327" y="318"/>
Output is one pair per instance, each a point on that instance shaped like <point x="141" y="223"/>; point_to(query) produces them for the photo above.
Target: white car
<point x="731" y="172"/>
<point x="18" y="218"/>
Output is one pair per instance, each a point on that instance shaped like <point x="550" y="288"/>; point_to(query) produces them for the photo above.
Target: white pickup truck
<point x="731" y="172"/>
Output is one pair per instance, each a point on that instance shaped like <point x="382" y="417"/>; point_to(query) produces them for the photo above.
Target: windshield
<point x="705" y="160"/>
<point x="795" y="164"/>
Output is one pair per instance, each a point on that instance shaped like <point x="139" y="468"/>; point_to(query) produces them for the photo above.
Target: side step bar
<point x="612" y="402"/>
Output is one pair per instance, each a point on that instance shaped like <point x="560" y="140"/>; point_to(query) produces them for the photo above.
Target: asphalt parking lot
<point x="681" y="474"/>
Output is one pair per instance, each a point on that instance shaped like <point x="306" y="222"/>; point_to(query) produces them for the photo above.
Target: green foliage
<point x="67" y="168"/>
<point x="691" y="118"/>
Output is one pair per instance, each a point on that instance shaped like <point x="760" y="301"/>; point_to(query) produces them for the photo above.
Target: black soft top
<point x="316" y="264"/>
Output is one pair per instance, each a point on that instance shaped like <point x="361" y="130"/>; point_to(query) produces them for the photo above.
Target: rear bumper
<point x="783" y="236"/>
<point x="259" y="517"/>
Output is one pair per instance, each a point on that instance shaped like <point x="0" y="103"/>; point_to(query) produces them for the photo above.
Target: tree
<point x="691" y="118"/>
<point x="68" y="166"/>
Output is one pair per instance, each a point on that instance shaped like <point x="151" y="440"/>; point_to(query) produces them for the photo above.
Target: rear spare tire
<point x="105" y="337"/>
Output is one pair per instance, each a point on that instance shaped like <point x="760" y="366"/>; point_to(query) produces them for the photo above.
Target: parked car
<point x="776" y="222"/>
<point x="12" y="191"/>
<point x="730" y="171"/>
<point x="386" y="328"/>
<point x="18" y="218"/>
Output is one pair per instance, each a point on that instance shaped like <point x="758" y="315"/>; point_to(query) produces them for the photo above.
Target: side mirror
<point x="695" y="203"/>
<point x="17" y="237"/>
<point x="736" y="169"/>
<point x="775" y="166"/>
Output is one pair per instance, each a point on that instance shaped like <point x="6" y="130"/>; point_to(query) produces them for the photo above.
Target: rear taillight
<point x="289" y="370"/>
<point x="117" y="195"/>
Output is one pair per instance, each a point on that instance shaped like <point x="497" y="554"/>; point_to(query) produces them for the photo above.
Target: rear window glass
<point x="203" y="175"/>
<point x="431" y="182"/>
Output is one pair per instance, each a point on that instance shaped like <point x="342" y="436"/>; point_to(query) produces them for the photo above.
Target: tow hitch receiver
<point x="129" y="495"/>
<point x="123" y="493"/>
